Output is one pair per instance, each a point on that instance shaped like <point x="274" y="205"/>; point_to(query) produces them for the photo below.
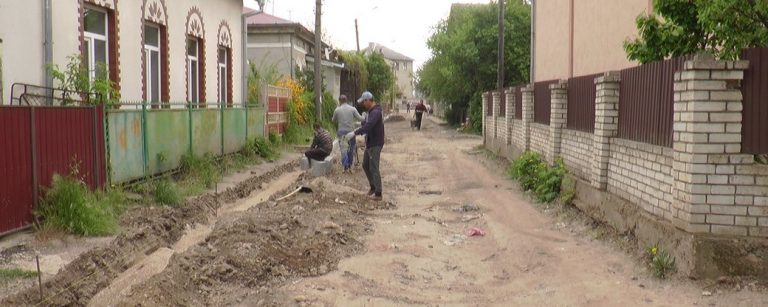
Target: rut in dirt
<point x="248" y="255"/>
<point x="94" y="270"/>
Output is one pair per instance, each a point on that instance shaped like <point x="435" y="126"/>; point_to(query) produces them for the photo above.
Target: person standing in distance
<point x="420" y="109"/>
<point x="373" y="129"/>
<point x="345" y="116"/>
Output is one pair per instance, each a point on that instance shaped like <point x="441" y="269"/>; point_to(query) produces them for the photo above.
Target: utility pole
<point x="318" y="62"/>
<point x="357" y="36"/>
<point x="500" y="64"/>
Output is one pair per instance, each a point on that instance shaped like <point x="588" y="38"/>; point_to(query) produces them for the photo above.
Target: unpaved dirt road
<point x="334" y="247"/>
<point x="419" y="253"/>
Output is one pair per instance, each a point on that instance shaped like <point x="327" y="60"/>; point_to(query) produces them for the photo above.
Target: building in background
<point x="402" y="66"/>
<point x="153" y="50"/>
<point x="577" y="38"/>
<point x="277" y="45"/>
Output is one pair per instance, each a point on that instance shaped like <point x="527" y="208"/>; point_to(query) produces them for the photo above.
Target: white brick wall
<point x="540" y="138"/>
<point x="642" y="174"/>
<point x="577" y="152"/>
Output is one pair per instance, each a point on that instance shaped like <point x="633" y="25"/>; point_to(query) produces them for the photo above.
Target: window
<point x="96" y="56"/>
<point x="152" y="43"/>
<point x="223" y="75"/>
<point x="193" y="70"/>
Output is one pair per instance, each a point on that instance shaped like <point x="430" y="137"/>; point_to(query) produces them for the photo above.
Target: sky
<point x="402" y="25"/>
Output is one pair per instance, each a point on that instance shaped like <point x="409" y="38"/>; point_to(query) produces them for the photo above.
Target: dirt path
<point x="419" y="254"/>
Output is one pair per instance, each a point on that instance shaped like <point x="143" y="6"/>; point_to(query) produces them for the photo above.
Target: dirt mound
<point x="144" y="233"/>
<point x="248" y="255"/>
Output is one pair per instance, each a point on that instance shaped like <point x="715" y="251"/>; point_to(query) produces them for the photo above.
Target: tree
<point x="380" y="75"/>
<point x="464" y="57"/>
<point x="682" y="27"/>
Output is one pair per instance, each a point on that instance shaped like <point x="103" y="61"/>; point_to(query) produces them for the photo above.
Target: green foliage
<point x="549" y="180"/>
<point x="296" y="133"/>
<point x="536" y="175"/>
<point x="682" y="27"/>
<point x="257" y="80"/>
<point x="356" y="64"/>
<point x="262" y="147"/>
<point x="329" y="106"/>
<point x="380" y="75"/>
<point x="201" y="169"/>
<point x="661" y="262"/>
<point x="75" y="78"/>
<point x="70" y="206"/>
<point x="524" y="169"/>
<point x="464" y="57"/>
<point x="274" y="139"/>
<point x="16" y="273"/>
<point x="167" y="193"/>
<point x="568" y="190"/>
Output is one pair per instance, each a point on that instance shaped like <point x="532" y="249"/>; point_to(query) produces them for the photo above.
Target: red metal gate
<point x="277" y="101"/>
<point x="38" y="142"/>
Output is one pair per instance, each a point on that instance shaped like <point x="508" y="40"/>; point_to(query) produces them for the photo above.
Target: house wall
<point x="273" y="51"/>
<point x="577" y="152"/>
<point x="24" y="45"/>
<point x="23" y="51"/>
<point x="576" y="38"/>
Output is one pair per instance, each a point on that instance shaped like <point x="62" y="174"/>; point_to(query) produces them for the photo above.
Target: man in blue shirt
<point x="373" y="128"/>
<point x="347" y="118"/>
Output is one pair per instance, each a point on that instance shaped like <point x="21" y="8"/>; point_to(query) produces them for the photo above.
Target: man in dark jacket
<point x="373" y="128"/>
<point x="322" y="145"/>
<point x="420" y="109"/>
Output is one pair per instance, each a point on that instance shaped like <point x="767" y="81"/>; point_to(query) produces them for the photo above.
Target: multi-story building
<point x="153" y="50"/>
<point x="402" y="66"/>
<point x="282" y="46"/>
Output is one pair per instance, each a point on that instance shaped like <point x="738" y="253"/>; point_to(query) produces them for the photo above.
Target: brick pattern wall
<point x="510" y="114"/>
<point x="518" y="135"/>
<point x="642" y="174"/>
<point x="557" y="118"/>
<point x="577" y="153"/>
<point x="540" y="139"/>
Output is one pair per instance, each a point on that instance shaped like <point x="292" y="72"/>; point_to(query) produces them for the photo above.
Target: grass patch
<point x="661" y="262"/>
<point x="202" y="169"/>
<point x="70" y="206"/>
<point x="262" y="147"/>
<point x="16" y="273"/>
<point x="167" y="193"/>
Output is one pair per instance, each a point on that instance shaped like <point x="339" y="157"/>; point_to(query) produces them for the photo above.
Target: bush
<point x="200" y="168"/>
<point x="524" y="169"/>
<point x="261" y="147"/>
<point x="167" y="193"/>
<point x="70" y="206"/>
<point x="535" y="175"/>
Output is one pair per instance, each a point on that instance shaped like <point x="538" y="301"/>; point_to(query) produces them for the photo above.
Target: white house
<point x="154" y="50"/>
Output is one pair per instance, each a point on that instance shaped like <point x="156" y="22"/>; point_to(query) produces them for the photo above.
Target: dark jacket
<point x="421" y="107"/>
<point x="323" y="140"/>
<point x="373" y="128"/>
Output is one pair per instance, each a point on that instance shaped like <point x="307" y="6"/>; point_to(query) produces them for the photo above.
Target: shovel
<point x="301" y="189"/>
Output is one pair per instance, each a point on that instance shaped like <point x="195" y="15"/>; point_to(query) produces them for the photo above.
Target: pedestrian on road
<point x="408" y="107"/>
<point x="322" y="145"/>
<point x="420" y="109"/>
<point x="373" y="129"/>
<point x="346" y="117"/>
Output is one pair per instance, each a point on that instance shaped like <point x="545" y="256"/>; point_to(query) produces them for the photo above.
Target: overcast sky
<point x="403" y="25"/>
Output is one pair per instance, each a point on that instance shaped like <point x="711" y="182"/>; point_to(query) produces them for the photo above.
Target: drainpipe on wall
<point x="48" y="44"/>
<point x="533" y="41"/>
<point x="244" y="56"/>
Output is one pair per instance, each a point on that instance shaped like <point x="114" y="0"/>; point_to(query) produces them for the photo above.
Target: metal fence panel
<point x="646" y="102"/>
<point x="755" y="91"/>
<point x="581" y="103"/>
<point x="542" y="103"/>
<point x="234" y="130"/>
<point x="206" y="132"/>
<point x="167" y="138"/>
<point x="125" y="145"/>
<point x="256" y="121"/>
<point x="16" y="182"/>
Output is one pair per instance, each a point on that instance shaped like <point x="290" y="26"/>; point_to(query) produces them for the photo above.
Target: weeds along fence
<point x="143" y="141"/>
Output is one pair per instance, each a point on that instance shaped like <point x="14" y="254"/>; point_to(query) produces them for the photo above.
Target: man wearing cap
<point x="373" y="128"/>
<point x="346" y="116"/>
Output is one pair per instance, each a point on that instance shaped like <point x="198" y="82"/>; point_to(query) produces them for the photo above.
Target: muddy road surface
<point x="334" y="247"/>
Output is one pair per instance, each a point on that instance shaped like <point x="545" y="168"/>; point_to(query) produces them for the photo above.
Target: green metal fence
<point x="144" y="141"/>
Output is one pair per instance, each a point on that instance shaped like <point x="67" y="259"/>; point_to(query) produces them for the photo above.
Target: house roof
<point x="266" y="22"/>
<point x="386" y="52"/>
<point x="264" y="18"/>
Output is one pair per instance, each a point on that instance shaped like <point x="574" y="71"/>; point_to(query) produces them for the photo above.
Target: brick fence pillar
<point x="606" y="126"/>
<point x="527" y="115"/>
<point x="496" y="113"/>
<point x="510" y="100"/>
<point x="483" y="116"/>
<point x="557" y="118"/>
<point x="707" y="149"/>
